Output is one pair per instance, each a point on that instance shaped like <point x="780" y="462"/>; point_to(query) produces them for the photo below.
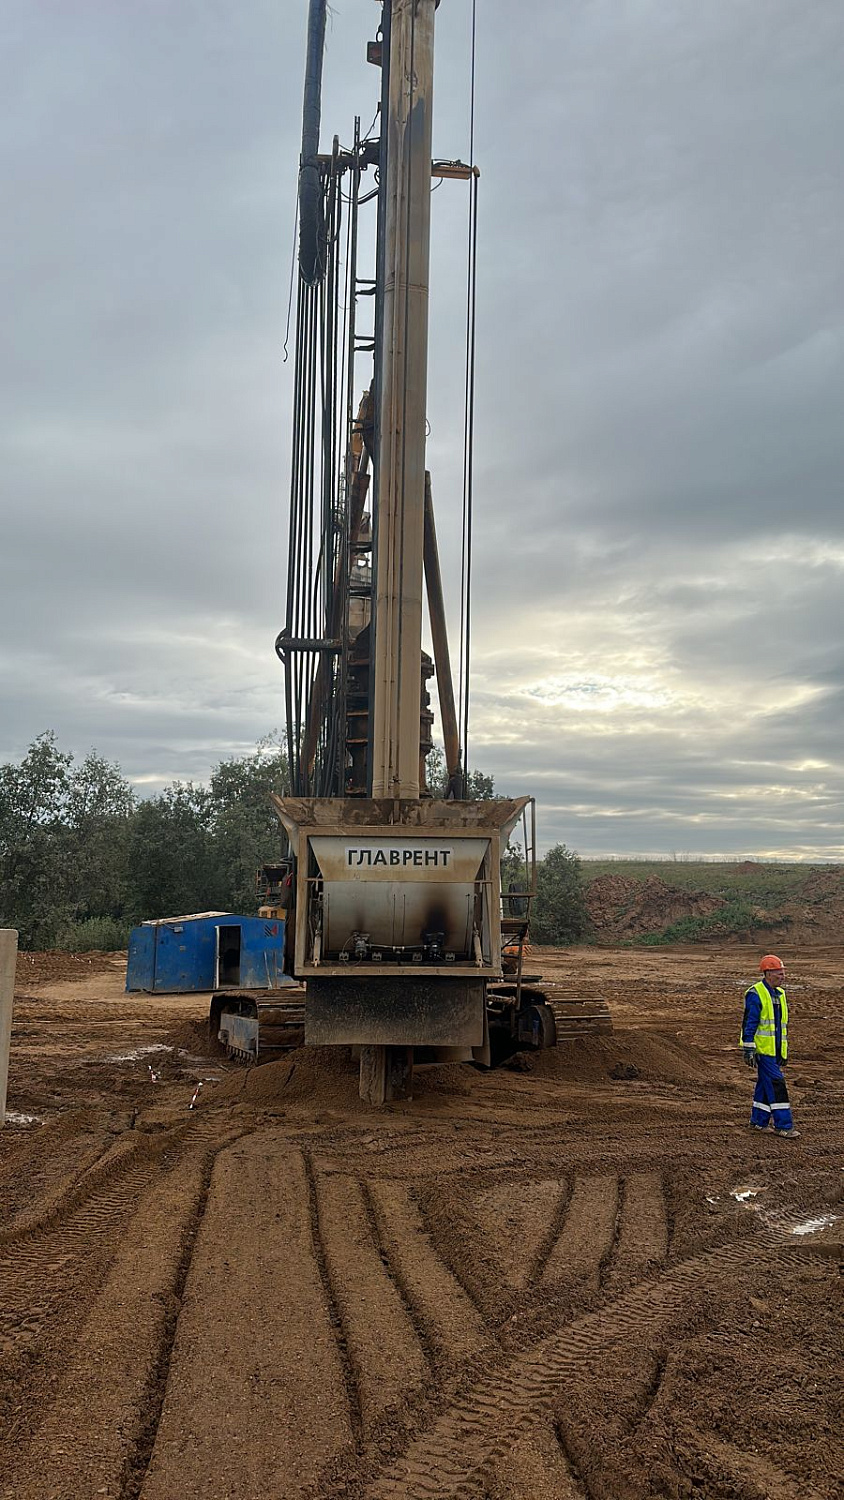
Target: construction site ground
<point x="578" y="1275"/>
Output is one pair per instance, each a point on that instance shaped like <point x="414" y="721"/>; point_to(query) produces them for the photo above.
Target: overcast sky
<point x="659" y="549"/>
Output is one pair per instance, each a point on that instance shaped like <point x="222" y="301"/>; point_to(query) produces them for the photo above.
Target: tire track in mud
<point x="48" y="1255"/>
<point x="587" y="1236"/>
<point x="385" y="1356"/>
<point x="609" y="1230"/>
<point x="520" y="1221"/>
<point x="96" y="1435"/>
<point x="610" y="1252"/>
<point x="536" y="1468"/>
<point x="457" y="1453"/>
<point x="542" y="1254"/>
<point x="651" y="1393"/>
<point x="614" y="1466"/>
<point x="130" y="1152"/>
<point x="46" y="1259"/>
<point x="40" y="1163"/>
<point x="729" y="1470"/>
<point x="450" y="1321"/>
<point x="193" y="1211"/>
<point x="70" y="1203"/>
<point x="256" y="1401"/>
<point x="642" y="1241"/>
<point x="339" y="1324"/>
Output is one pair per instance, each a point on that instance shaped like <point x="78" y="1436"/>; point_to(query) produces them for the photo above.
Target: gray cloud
<point x="658" y="551"/>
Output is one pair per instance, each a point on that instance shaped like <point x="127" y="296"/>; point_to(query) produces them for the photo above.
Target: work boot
<point x="789" y="1135"/>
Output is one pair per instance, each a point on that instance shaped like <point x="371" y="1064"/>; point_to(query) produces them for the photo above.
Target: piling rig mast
<point x="396" y="920"/>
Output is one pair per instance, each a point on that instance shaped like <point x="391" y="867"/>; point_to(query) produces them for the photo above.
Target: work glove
<point x="750" y="1056"/>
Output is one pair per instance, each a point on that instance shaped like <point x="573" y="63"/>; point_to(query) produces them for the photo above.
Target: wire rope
<point x="317" y="582"/>
<point x="468" y="426"/>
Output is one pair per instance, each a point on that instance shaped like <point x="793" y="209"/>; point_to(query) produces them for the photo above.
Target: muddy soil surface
<point x="546" y="1281"/>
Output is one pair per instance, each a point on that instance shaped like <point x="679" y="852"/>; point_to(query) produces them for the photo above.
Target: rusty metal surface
<point x="380" y="815"/>
<point x="402" y="387"/>
<point x="395" y="1012"/>
<point x="439" y="635"/>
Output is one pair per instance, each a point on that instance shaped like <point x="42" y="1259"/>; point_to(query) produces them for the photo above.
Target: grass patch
<point x="736" y="919"/>
<point x="735" y="882"/>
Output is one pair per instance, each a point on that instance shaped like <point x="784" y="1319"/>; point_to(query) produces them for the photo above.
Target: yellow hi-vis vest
<point x="765" y="1040"/>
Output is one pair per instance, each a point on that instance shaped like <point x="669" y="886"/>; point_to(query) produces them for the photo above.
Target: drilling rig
<point x="394" y="908"/>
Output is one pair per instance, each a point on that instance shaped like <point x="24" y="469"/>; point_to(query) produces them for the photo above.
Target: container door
<point x="140" y="968"/>
<point x="227" y="968"/>
<point x="177" y="961"/>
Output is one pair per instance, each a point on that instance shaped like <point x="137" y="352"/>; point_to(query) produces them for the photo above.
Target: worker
<point x="764" y="1041"/>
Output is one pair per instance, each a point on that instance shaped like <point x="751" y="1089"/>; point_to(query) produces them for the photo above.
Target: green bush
<point x="105" y="934"/>
<point x="734" y="919"/>
<point x="559" y="911"/>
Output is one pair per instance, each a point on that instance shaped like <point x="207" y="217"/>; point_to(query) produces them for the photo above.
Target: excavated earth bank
<point x="546" y="1281"/>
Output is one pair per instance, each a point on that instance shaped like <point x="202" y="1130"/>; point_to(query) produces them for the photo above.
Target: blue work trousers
<point x="770" y="1096"/>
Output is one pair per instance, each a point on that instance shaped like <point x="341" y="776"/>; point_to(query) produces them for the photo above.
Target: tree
<point x="174" y="866"/>
<point x="513" y="868"/>
<point x="32" y="803"/>
<point x="479" y="786"/>
<point x="32" y="798"/>
<point x="246" y="828"/>
<point x="63" y="841"/>
<point x="197" y="848"/>
<point x="93" y="845"/>
<point x="559" y="911"/>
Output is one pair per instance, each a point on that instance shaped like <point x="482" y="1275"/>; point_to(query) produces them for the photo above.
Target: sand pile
<point x="654" y="1056"/>
<point x="620" y="907"/>
<point x="324" y="1077"/>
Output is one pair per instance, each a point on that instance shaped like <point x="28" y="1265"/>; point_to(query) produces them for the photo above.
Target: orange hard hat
<point x="770" y="961"/>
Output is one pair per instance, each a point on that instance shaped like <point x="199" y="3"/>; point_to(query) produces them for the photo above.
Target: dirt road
<point x="541" y="1282"/>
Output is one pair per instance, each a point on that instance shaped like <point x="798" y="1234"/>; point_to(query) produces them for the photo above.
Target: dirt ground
<point x="544" y="1281"/>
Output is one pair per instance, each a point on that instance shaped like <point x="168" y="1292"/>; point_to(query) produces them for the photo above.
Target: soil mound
<point x="195" y="1037"/>
<point x="322" y="1077"/>
<point x="620" y="907"/>
<point x="654" y="1056"/>
<point x="327" y="1077"/>
<point x="817" y="913"/>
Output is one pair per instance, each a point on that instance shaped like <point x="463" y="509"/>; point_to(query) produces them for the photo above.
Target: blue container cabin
<point x="206" y="951"/>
